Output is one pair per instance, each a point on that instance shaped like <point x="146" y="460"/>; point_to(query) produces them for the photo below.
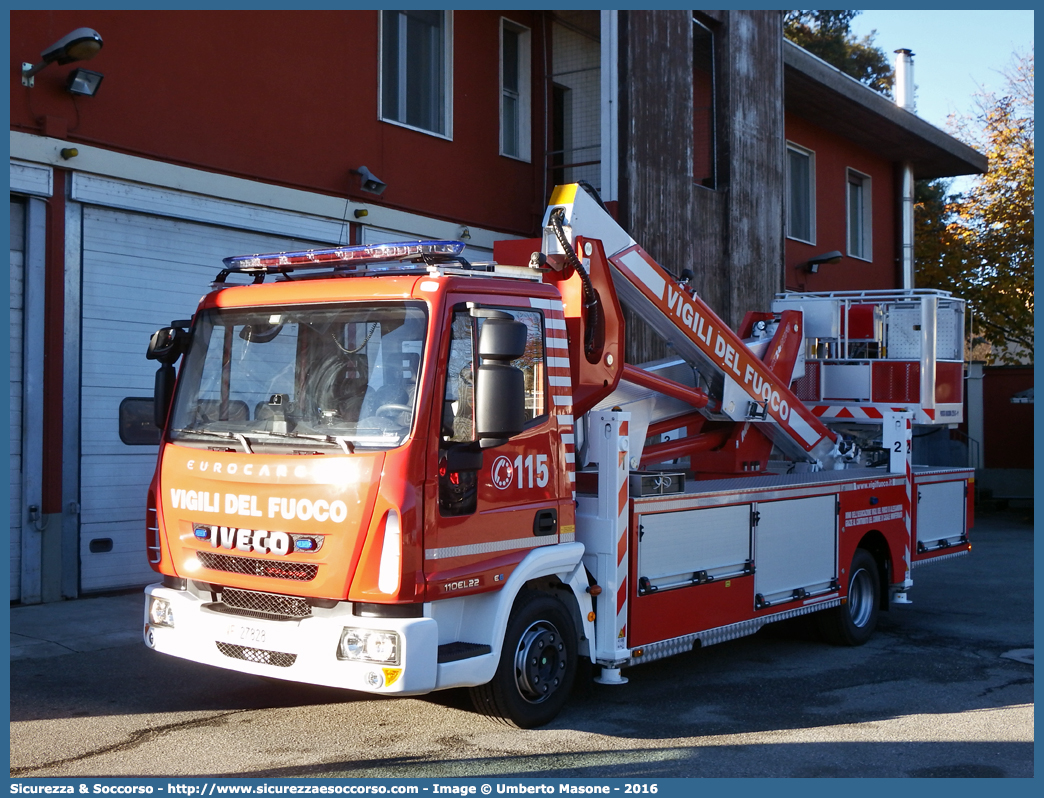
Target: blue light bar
<point x="338" y="257"/>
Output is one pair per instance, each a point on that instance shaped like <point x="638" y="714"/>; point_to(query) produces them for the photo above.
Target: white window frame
<point x="866" y="229"/>
<point x="447" y="73"/>
<point x="811" y="155"/>
<point x="524" y="94"/>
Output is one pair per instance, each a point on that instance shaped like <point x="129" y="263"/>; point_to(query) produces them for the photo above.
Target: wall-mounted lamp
<point x="812" y="264"/>
<point x="80" y="45"/>
<point x="361" y="212"/>
<point x="465" y="234"/>
<point x="84" y="82"/>
<point x="370" y="181"/>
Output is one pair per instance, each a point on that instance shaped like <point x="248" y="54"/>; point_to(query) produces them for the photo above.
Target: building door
<point x="139" y="272"/>
<point x="15" y="340"/>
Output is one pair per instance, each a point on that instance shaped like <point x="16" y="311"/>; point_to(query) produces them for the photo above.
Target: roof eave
<point x="821" y="93"/>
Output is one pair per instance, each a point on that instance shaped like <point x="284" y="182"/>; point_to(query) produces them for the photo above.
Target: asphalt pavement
<point x="944" y="689"/>
<point x="68" y="627"/>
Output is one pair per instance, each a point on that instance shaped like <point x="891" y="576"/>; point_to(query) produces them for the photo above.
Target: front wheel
<point x="852" y="623"/>
<point x="537" y="665"/>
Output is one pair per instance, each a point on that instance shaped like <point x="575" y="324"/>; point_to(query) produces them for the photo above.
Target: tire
<point x="537" y="665"/>
<point x="853" y="623"/>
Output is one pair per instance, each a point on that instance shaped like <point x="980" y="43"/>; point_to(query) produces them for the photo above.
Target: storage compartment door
<point x="940" y="513"/>
<point x="795" y="547"/>
<point x="690" y="546"/>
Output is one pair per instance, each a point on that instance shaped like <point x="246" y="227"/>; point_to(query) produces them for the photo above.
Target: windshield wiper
<point x="346" y="445"/>
<point x="234" y="436"/>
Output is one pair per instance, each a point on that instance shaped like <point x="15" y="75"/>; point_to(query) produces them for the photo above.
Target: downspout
<point x="904" y="98"/>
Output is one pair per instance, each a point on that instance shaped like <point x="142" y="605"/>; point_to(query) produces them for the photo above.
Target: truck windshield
<point x="301" y="377"/>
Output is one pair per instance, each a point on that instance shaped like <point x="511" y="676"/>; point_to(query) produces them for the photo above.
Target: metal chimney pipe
<point x="904" y="82"/>
<point x="904" y="98"/>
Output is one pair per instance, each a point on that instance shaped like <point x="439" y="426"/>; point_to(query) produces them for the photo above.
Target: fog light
<point x="160" y="612"/>
<point x="374" y="679"/>
<point x="369" y="645"/>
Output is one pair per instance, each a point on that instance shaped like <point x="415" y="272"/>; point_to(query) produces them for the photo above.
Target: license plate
<point x="253" y="635"/>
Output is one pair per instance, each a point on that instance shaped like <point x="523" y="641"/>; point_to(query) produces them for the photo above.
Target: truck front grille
<point x="274" y="569"/>
<point x="255" y="604"/>
<point x="278" y="658"/>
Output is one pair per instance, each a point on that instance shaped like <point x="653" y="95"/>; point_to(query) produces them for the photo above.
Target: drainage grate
<point x="275" y="569"/>
<point x="259" y="655"/>
<point x="248" y="602"/>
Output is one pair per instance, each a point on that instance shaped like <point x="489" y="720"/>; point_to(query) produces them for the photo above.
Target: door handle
<point x="546" y="522"/>
<point x="35" y="518"/>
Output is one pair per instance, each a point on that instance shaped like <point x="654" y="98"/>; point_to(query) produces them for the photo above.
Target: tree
<point x="979" y="244"/>
<point x="828" y="35"/>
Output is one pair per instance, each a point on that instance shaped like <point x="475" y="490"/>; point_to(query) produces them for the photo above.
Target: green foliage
<point x="827" y="34"/>
<point x="979" y="244"/>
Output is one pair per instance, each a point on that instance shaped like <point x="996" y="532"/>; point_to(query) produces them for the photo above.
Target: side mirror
<point x="464" y="457"/>
<point x="163" y="393"/>
<point x="168" y="344"/>
<point x="500" y="390"/>
<point x="502" y="340"/>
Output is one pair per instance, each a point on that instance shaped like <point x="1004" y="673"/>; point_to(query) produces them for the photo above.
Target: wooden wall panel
<point x="731" y="236"/>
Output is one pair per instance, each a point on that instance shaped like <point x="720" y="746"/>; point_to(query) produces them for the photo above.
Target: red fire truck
<point x="390" y="470"/>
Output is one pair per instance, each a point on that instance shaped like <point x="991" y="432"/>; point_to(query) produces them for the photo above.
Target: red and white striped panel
<point x="623" y="472"/>
<point x="845" y="411"/>
<point x="870" y="412"/>
<point x="559" y="379"/>
<point x="908" y="501"/>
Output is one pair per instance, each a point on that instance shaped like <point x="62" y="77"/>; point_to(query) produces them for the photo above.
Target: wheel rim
<point x="861" y="598"/>
<point x="540" y="662"/>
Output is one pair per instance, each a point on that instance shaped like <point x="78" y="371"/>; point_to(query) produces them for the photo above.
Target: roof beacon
<point x="351" y="257"/>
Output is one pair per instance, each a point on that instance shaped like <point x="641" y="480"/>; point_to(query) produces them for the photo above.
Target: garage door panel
<point x="17" y="261"/>
<point x="116" y="471"/>
<point x="139" y="273"/>
<point x="104" y="376"/>
<point x="126" y="564"/>
<point x="174" y="240"/>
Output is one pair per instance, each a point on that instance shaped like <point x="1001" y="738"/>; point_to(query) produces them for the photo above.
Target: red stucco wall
<point x="288" y="98"/>
<point x="833" y="157"/>
<point x="1007" y="427"/>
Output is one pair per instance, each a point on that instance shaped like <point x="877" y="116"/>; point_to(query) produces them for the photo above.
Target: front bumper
<point x="302" y="650"/>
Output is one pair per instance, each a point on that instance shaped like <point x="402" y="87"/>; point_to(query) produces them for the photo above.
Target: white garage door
<point x="140" y="272"/>
<point x="17" y="267"/>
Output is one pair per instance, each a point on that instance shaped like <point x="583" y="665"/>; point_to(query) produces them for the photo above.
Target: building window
<point x="703" y="149"/>
<point x="515" y="90"/>
<point x="576" y="107"/>
<point x="801" y="194"/>
<point x="859" y="227"/>
<point x="416" y="72"/>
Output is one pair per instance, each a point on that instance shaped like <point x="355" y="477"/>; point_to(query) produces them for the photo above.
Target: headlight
<point x="369" y="645"/>
<point x="160" y="612"/>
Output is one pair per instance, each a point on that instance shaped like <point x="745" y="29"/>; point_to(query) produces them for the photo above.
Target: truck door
<point x="489" y="519"/>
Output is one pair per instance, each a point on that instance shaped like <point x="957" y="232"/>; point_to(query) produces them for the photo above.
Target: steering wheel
<point x="391" y="409"/>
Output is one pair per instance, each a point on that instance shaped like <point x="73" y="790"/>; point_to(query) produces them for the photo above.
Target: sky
<point x="955" y="52"/>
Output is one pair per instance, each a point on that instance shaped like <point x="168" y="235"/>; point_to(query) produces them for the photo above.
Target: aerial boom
<point x="743" y="387"/>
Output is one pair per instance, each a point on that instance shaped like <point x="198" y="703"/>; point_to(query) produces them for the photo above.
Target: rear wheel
<point x="537" y="665"/>
<point x="852" y="623"/>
